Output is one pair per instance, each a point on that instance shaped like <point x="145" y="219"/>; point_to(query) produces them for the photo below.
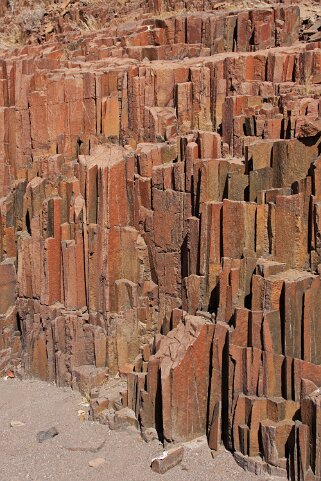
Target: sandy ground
<point x="41" y="406"/>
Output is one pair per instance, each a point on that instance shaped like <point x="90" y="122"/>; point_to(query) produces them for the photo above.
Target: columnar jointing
<point x="160" y="213"/>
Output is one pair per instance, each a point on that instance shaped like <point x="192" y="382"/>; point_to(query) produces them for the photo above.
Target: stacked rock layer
<point x="160" y="213"/>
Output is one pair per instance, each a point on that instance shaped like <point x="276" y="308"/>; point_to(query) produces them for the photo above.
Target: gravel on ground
<point x="27" y="407"/>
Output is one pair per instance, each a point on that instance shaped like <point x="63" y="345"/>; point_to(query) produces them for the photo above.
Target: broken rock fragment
<point x="309" y="128"/>
<point x="168" y="460"/>
<point x="149" y="435"/>
<point x="125" y="418"/>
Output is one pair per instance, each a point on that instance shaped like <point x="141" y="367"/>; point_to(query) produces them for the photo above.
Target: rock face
<point x="160" y="216"/>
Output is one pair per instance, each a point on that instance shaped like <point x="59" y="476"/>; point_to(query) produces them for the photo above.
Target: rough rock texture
<point x="160" y="216"/>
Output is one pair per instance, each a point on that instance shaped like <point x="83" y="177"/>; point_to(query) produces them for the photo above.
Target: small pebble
<point x="95" y="463"/>
<point x="45" y="435"/>
<point x="16" y="424"/>
<point x="82" y="415"/>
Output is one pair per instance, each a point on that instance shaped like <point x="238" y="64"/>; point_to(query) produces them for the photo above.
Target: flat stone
<point x="45" y="435"/>
<point x="95" y="463"/>
<point x="16" y="424"/>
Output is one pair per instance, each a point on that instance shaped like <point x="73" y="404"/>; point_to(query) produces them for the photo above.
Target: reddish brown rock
<point x="160" y="218"/>
<point x="168" y="460"/>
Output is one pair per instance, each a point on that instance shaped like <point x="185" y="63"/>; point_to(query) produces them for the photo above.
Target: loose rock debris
<point x="127" y="456"/>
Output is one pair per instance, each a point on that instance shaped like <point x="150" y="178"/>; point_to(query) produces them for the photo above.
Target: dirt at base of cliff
<point x="40" y="406"/>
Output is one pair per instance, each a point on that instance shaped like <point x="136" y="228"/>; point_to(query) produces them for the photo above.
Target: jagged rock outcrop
<point x="160" y="216"/>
